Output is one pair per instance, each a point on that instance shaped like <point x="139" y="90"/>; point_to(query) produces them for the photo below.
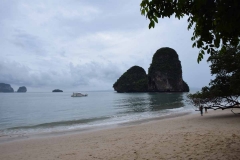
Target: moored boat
<point x="78" y="94"/>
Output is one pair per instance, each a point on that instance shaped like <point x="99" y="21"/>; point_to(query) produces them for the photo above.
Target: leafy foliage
<point x="224" y="91"/>
<point x="215" y="22"/>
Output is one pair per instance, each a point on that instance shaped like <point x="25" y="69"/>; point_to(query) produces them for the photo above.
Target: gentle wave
<point x="61" y="123"/>
<point x="59" y="112"/>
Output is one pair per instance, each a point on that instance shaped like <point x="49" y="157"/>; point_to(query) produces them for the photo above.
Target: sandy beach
<point x="215" y="135"/>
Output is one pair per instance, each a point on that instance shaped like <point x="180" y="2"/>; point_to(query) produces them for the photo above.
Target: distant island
<point x="164" y="75"/>
<point x="6" y="88"/>
<point x="57" y="90"/>
<point x="22" y="89"/>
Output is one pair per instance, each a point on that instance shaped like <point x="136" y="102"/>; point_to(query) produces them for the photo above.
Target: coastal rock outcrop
<point x="164" y="75"/>
<point x="57" y="90"/>
<point x="133" y="80"/>
<point x="6" y="88"/>
<point x="22" y="89"/>
<point x="165" y="72"/>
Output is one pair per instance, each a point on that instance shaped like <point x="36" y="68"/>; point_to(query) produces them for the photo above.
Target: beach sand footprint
<point x="66" y="155"/>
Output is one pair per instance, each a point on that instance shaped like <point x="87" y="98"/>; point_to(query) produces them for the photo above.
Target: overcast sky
<point x="83" y="45"/>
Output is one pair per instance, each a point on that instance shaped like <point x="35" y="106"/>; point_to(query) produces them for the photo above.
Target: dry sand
<point x="216" y="135"/>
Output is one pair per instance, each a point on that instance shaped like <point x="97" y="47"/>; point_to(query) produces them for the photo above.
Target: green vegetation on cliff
<point x="165" y="72"/>
<point x="164" y="75"/>
<point x="165" y="60"/>
<point x="133" y="80"/>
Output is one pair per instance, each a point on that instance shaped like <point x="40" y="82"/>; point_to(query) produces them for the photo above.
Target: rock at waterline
<point x="164" y="75"/>
<point x="22" y="89"/>
<point x="57" y="90"/>
<point x="6" y="88"/>
<point x="133" y="80"/>
<point x="165" y="72"/>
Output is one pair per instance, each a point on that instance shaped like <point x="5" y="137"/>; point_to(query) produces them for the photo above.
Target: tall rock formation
<point x="22" y="89"/>
<point x="165" y="72"/>
<point x="133" y="80"/>
<point x="6" y="88"/>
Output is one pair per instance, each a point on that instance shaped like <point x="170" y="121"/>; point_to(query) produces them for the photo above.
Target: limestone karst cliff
<point x="133" y="80"/>
<point x="164" y="75"/>
<point x="22" y="89"/>
<point x="6" y="88"/>
<point x="165" y="72"/>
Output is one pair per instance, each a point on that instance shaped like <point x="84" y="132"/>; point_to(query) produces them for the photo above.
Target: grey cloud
<point x="14" y="73"/>
<point x="86" y="75"/>
<point x="29" y="42"/>
<point x="17" y="74"/>
<point x="115" y="15"/>
<point x="7" y="9"/>
<point x="86" y="44"/>
<point x="94" y="71"/>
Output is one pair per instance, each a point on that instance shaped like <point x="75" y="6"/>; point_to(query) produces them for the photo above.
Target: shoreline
<point x="215" y="135"/>
<point x="25" y="136"/>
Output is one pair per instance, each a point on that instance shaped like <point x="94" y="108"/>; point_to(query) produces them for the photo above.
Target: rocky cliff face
<point x="22" y="89"/>
<point x="133" y="80"/>
<point x="165" y="72"/>
<point x="6" y="88"/>
<point x="164" y="75"/>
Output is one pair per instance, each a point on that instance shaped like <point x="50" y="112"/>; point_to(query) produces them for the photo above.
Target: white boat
<point x="78" y="95"/>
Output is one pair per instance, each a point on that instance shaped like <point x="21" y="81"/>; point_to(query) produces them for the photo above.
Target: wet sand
<point x="215" y="135"/>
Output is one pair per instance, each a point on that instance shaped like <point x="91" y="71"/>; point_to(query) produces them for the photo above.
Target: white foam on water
<point x="125" y="109"/>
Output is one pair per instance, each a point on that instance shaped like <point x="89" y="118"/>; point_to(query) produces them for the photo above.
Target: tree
<point x="224" y="91"/>
<point x="215" y="22"/>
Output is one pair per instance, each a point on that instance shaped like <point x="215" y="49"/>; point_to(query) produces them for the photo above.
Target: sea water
<point x="26" y="113"/>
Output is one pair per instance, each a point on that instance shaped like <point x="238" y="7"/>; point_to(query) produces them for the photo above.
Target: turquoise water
<point x="22" y="113"/>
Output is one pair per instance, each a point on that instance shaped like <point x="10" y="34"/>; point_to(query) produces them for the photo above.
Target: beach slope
<point x="216" y="135"/>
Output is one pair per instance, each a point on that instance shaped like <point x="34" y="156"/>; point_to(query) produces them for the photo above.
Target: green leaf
<point x="194" y="45"/>
<point x="155" y="19"/>
<point x="143" y="12"/>
<point x="208" y="51"/>
<point x="143" y="3"/>
<point x="150" y="25"/>
<point x="153" y="24"/>
<point x="200" y="57"/>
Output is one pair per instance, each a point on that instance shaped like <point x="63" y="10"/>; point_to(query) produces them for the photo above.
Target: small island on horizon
<point x="22" y="89"/>
<point x="6" y="88"/>
<point x="57" y="90"/>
